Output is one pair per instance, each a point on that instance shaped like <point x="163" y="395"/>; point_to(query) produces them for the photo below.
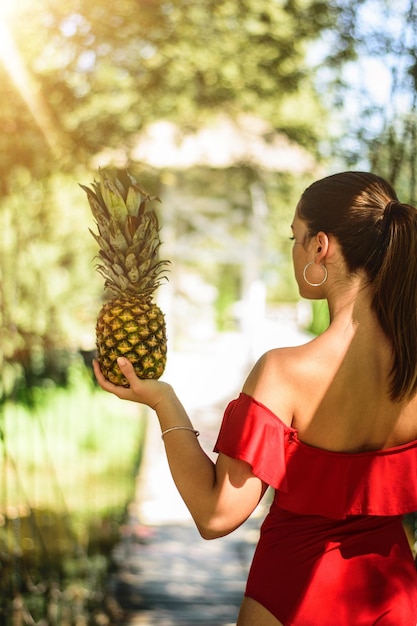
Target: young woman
<point x="331" y="425"/>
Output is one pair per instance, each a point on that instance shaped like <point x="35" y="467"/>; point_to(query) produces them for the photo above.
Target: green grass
<point x="68" y="464"/>
<point x="74" y="451"/>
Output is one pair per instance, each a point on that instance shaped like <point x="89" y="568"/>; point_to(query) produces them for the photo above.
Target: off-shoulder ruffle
<point x="313" y="481"/>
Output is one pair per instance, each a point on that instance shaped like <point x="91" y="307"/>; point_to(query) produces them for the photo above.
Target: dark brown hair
<point x="378" y="234"/>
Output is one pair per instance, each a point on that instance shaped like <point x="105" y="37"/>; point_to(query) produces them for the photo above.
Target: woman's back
<point x="348" y="406"/>
<point x="337" y="390"/>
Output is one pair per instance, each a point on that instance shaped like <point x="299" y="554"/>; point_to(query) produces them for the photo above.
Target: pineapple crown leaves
<point x="128" y="234"/>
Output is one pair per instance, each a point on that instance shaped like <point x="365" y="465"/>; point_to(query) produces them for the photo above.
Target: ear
<point x="321" y="246"/>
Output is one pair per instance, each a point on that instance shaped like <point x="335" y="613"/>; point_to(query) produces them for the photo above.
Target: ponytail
<point x="395" y="295"/>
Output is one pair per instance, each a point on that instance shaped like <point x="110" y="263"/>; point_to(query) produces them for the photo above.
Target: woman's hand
<point x="149" y="392"/>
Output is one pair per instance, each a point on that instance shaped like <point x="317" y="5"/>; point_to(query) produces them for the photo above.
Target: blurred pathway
<point x="167" y="575"/>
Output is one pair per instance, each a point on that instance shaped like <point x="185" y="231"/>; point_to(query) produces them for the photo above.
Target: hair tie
<point x="385" y="219"/>
<point x="392" y="204"/>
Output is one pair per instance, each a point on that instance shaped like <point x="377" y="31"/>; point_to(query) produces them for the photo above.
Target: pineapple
<point x="130" y="324"/>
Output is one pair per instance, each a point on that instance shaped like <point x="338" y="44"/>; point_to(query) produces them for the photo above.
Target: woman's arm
<point x="221" y="496"/>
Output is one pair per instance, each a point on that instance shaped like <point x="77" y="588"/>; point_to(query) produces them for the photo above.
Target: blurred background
<point x="225" y="109"/>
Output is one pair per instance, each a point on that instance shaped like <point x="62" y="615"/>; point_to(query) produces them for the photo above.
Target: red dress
<point x="332" y="549"/>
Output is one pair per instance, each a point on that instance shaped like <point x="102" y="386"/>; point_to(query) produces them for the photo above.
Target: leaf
<point x="133" y="274"/>
<point x="133" y="224"/>
<point x="103" y="244"/>
<point x="130" y="261"/>
<point x="133" y="200"/>
<point x="116" y="238"/>
<point x="98" y="210"/>
<point x="118" y="269"/>
<point x="112" y="198"/>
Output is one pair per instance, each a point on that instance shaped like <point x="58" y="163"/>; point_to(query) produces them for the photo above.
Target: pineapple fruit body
<point x="129" y="324"/>
<point x="135" y="329"/>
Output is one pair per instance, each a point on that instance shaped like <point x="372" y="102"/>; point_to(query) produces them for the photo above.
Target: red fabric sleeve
<point x="252" y="433"/>
<point x="313" y="481"/>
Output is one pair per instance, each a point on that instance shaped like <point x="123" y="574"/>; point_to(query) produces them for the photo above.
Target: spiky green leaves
<point x="128" y="234"/>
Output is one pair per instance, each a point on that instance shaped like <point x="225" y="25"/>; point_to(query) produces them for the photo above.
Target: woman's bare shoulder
<point x="276" y="377"/>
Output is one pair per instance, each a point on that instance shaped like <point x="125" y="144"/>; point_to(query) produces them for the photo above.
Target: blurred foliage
<point x="64" y="489"/>
<point x="84" y="77"/>
<point x="320" y="317"/>
<point x="374" y="95"/>
<point x="47" y="296"/>
<point x="211" y="225"/>
<point x="103" y="72"/>
<point x="83" y="474"/>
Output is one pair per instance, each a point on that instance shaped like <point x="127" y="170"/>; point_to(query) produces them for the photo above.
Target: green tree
<point x="375" y="93"/>
<point x="102" y="72"/>
<point x="48" y="299"/>
<point x="91" y="75"/>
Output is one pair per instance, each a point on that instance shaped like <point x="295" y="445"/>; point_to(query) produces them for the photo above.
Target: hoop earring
<point x="315" y="284"/>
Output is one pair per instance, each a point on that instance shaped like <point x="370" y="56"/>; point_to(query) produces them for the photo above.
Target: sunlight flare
<point x="26" y="86"/>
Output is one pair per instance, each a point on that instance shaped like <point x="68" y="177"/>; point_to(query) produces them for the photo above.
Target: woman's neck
<point x="350" y="306"/>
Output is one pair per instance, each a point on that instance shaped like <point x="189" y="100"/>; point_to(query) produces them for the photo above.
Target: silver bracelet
<point x="168" y="430"/>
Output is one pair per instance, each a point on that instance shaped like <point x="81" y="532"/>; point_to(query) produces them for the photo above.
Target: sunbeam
<point x="26" y="86"/>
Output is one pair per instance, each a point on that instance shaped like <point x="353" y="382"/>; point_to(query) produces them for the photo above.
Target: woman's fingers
<point x="144" y="391"/>
<point x="98" y="374"/>
<point x="128" y="370"/>
<point x="126" y="367"/>
<point x="105" y="384"/>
